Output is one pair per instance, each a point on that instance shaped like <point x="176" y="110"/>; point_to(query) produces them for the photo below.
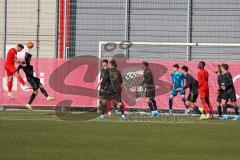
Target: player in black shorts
<point x="115" y="87"/>
<point x="103" y="94"/>
<point x="192" y="84"/>
<point x="229" y="93"/>
<point x="34" y="81"/>
<point x="150" y="89"/>
<point x="219" y="91"/>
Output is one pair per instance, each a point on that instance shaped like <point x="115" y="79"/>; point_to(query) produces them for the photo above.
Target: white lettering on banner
<point x="42" y="78"/>
<point x="234" y="80"/>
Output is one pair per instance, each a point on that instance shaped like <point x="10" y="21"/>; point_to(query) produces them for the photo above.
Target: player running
<point x="34" y="81"/>
<point x="229" y="93"/>
<point x="192" y="84"/>
<point x="150" y="89"/>
<point x="178" y="83"/>
<point x="203" y="89"/>
<point x="11" y="69"/>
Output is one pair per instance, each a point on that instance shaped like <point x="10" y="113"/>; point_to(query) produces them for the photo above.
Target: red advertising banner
<point x="76" y="80"/>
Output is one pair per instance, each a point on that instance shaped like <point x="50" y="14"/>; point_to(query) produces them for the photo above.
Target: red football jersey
<point x="11" y="56"/>
<point x="203" y="79"/>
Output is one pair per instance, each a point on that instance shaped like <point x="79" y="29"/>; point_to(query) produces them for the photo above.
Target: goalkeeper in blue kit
<point x="178" y="85"/>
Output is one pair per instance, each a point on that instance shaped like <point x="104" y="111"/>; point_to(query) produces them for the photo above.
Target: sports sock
<point x="44" y="92"/>
<point x="224" y="107"/>
<point x="184" y="102"/>
<point x="196" y="110"/>
<point x="236" y="110"/>
<point x="21" y="80"/>
<point x="10" y="83"/>
<point x="219" y="108"/>
<point x="150" y="106"/>
<point x="205" y="108"/>
<point x="102" y="107"/>
<point x="154" y="104"/>
<point x="170" y="103"/>
<point x="121" y="109"/>
<point x="32" y="98"/>
<point x="108" y="105"/>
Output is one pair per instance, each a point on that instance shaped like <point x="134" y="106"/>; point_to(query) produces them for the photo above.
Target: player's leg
<point x="10" y="84"/>
<point x="32" y="97"/>
<point x="120" y="104"/>
<point x="235" y="107"/>
<point x="224" y="107"/>
<point x="154" y="103"/>
<point x="208" y="103"/>
<point x="203" y="101"/>
<point x="109" y="107"/>
<point x="102" y="108"/>
<point x="152" y="106"/>
<point x="19" y="77"/>
<point x="115" y="107"/>
<point x="118" y="99"/>
<point x="196" y="109"/>
<point x="210" y="107"/>
<point x="219" y="109"/>
<point x="182" y="93"/>
<point x="188" y="104"/>
<point x="205" y="111"/>
<point x="44" y="92"/>
<point x="193" y="101"/>
<point x="170" y="103"/>
<point x="211" y="112"/>
<point x="233" y="99"/>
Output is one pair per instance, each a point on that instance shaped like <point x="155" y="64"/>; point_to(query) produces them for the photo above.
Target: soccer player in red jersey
<point x="203" y="89"/>
<point x="11" y="69"/>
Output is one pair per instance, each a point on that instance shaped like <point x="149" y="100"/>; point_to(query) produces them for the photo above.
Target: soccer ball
<point x="30" y="45"/>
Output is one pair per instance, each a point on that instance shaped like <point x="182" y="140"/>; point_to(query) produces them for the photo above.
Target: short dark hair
<point x="219" y="69"/>
<point x="185" y="68"/>
<point x="176" y="66"/>
<point x="203" y="63"/>
<point x="105" y="61"/>
<point x="114" y="63"/>
<point x="145" y="63"/>
<point x="225" y="66"/>
<point x="20" y="46"/>
<point x="28" y="58"/>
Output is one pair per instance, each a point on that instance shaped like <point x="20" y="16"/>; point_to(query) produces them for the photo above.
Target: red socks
<point x="10" y="84"/>
<point x="21" y="80"/>
<point x="108" y="105"/>
<point x="205" y="108"/>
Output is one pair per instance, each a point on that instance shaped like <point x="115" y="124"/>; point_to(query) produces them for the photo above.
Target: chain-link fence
<point x="215" y="21"/>
<point x="29" y="20"/>
<point x="1" y="27"/>
<point x="71" y="28"/>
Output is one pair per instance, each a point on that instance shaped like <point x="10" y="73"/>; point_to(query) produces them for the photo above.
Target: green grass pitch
<point x="42" y="136"/>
